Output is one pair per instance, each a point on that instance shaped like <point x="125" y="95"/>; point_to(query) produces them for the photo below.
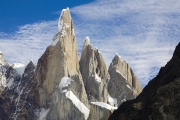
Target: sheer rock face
<point x="160" y="99"/>
<point x="60" y="60"/>
<point x="94" y="73"/>
<point x="123" y="84"/>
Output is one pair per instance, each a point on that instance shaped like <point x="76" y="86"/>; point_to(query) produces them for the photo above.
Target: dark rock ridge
<point x="160" y="99"/>
<point x="62" y="88"/>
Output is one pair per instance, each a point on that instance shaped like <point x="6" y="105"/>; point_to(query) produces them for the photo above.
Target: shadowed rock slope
<point x="159" y="100"/>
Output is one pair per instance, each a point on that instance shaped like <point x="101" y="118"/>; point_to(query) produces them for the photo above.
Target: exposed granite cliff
<point x="123" y="84"/>
<point x="94" y="73"/>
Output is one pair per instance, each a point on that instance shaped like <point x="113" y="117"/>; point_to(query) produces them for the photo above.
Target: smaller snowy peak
<point x="117" y="60"/>
<point x="1" y="53"/>
<point x="86" y="42"/>
<point x="118" y="57"/>
<point x="19" y="68"/>
<point x="96" y="49"/>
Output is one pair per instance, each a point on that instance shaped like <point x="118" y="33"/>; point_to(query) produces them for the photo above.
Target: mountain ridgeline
<point x="60" y="87"/>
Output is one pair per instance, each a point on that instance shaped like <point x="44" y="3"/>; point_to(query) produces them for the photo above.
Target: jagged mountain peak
<point x="121" y="67"/>
<point x="65" y="27"/>
<point x="65" y="19"/>
<point x="117" y="59"/>
<point x="86" y="42"/>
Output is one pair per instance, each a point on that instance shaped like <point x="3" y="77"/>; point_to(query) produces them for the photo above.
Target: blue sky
<point x="143" y="32"/>
<point x="14" y="13"/>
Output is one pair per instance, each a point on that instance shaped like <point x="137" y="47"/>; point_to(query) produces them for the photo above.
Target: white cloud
<point x="29" y="42"/>
<point x="143" y="32"/>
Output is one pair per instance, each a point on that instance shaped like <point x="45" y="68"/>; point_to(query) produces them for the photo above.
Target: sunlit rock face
<point x="123" y="84"/>
<point x="94" y="73"/>
<point x="60" y="60"/>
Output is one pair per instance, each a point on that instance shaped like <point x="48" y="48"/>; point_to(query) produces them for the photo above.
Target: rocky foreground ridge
<point x="159" y="100"/>
<point x="60" y="87"/>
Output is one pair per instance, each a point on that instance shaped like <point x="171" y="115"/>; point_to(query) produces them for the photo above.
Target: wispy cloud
<point x="143" y="32"/>
<point x="29" y="42"/>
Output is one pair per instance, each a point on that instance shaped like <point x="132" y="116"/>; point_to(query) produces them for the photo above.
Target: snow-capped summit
<point x="64" y="19"/>
<point x="86" y="42"/>
<point x="65" y="26"/>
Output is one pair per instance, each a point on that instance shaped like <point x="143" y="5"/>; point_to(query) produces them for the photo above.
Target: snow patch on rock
<point x="112" y="101"/>
<point x="105" y="105"/>
<point x="65" y="81"/>
<point x="129" y="87"/>
<point x="69" y="94"/>
<point x="97" y="78"/>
